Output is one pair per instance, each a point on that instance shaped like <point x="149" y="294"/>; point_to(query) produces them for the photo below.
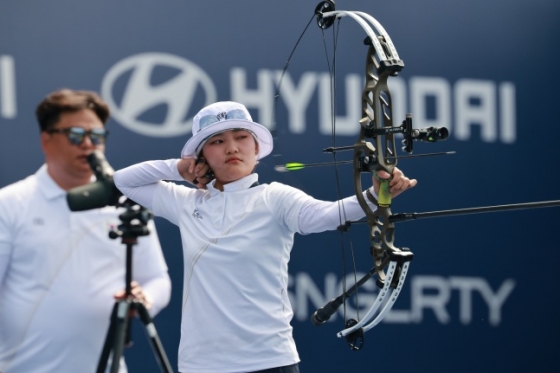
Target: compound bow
<point x="391" y="263"/>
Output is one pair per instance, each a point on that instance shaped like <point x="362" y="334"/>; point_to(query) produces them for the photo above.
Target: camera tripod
<point x="134" y="224"/>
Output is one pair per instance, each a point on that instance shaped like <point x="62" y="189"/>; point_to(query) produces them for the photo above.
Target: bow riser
<point x="376" y="114"/>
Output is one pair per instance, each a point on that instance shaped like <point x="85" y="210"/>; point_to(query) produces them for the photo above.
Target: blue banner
<point x="480" y="293"/>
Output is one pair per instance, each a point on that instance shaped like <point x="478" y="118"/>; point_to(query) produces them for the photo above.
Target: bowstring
<point x="277" y="93"/>
<point x="275" y="131"/>
<point x="332" y="75"/>
<point x="341" y="210"/>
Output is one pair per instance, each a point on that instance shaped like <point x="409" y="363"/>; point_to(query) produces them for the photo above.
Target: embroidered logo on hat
<point x="208" y="120"/>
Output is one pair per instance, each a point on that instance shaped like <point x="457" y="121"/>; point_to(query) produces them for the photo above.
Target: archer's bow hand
<point x="397" y="184"/>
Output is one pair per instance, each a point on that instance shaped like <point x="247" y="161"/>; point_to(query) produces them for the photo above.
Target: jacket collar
<point x="241" y="184"/>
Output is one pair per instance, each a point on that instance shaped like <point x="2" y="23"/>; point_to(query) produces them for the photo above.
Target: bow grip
<point x="384" y="193"/>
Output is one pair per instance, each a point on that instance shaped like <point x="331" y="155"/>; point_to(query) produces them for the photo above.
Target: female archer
<point x="237" y="236"/>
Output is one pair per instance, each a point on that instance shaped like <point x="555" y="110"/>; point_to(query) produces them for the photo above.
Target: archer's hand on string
<point x="195" y="171"/>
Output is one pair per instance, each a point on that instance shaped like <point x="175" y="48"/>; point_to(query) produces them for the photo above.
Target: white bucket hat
<point x="224" y="116"/>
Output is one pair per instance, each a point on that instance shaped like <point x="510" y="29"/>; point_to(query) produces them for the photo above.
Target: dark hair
<point x="68" y="101"/>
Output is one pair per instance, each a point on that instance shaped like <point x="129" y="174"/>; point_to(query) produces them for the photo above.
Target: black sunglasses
<point x="77" y="135"/>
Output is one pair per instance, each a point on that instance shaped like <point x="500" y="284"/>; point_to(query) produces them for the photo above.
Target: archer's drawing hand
<point x="194" y="171"/>
<point x="398" y="184"/>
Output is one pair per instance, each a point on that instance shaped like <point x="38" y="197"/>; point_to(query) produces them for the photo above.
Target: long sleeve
<point x="5" y="243"/>
<point x="158" y="292"/>
<point x="4" y="260"/>
<point x="150" y="270"/>
<point x="138" y="182"/>
<point x="318" y="216"/>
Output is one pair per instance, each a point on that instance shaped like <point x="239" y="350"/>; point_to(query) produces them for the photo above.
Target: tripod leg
<point x="123" y="313"/>
<point x="157" y="347"/>
<point x="114" y="342"/>
<point x="103" y="359"/>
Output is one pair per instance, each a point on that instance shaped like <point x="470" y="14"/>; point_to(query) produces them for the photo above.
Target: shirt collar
<point x="48" y="186"/>
<point x="241" y="184"/>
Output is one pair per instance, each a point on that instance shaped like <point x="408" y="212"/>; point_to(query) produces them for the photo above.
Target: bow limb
<point x="368" y="30"/>
<point x="392" y="50"/>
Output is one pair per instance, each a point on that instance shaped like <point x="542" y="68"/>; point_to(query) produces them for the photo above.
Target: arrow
<point x="295" y="166"/>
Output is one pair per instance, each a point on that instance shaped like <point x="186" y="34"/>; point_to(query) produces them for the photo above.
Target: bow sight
<point x="429" y="134"/>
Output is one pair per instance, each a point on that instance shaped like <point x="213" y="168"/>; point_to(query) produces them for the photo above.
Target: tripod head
<point x="134" y="222"/>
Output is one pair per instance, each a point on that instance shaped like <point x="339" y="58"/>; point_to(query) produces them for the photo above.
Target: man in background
<point x="60" y="274"/>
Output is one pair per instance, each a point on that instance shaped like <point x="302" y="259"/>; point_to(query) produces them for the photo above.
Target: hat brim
<point x="262" y="135"/>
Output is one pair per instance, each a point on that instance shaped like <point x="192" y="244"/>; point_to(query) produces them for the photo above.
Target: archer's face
<point x="231" y="155"/>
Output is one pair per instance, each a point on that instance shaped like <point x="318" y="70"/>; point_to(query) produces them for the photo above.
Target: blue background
<point x="74" y="43"/>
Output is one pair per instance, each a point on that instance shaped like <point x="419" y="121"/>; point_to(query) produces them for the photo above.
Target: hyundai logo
<point x="154" y="93"/>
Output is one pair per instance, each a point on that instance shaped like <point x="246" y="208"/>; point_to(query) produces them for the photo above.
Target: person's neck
<point x="65" y="180"/>
<point x="220" y="184"/>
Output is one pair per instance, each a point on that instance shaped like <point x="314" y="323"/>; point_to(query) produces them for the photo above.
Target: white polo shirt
<point x="236" y="248"/>
<point x="59" y="271"/>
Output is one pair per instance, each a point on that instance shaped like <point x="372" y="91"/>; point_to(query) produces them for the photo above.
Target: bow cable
<point x="343" y="227"/>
